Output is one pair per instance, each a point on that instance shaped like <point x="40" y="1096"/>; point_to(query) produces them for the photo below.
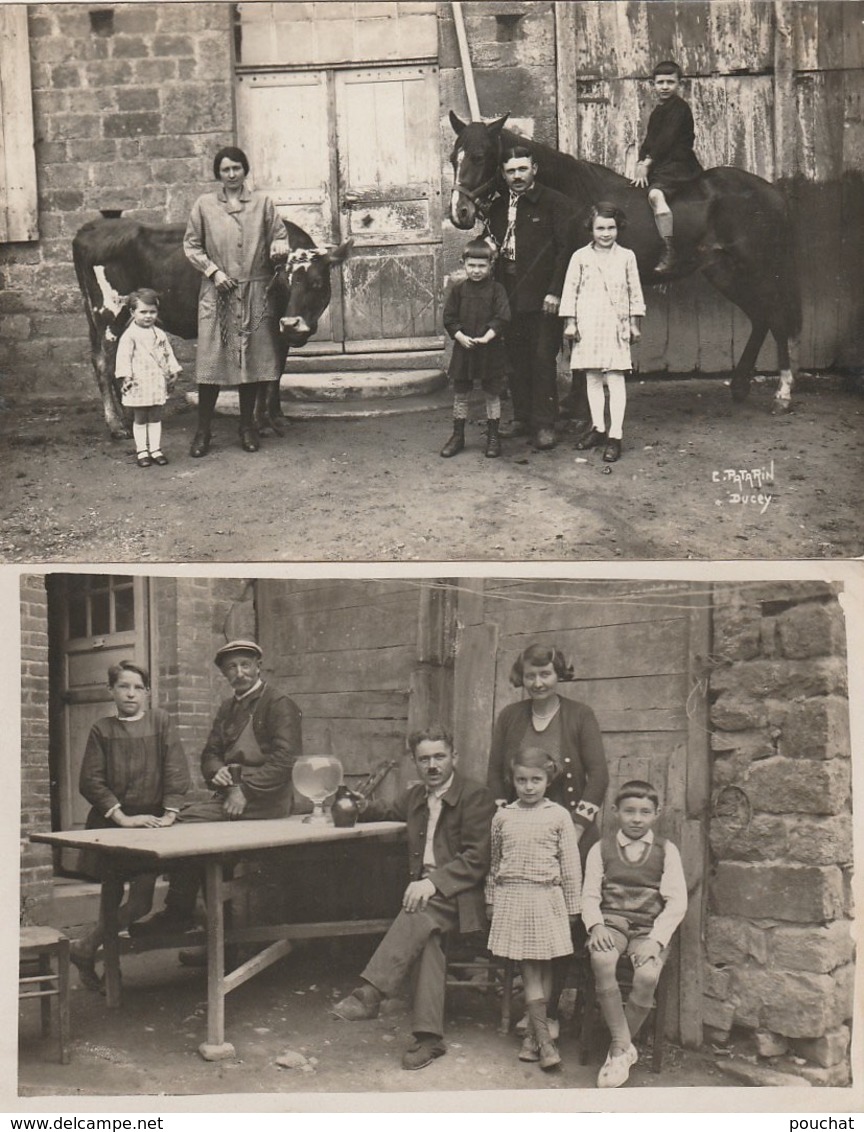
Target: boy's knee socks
<point x="612" y="1009"/>
<point x="493" y="408"/>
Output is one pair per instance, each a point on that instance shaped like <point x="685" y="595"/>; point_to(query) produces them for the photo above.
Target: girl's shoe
<point x="530" y="1050"/>
<point x="159" y="457"/>
<point x="612" y="451"/>
<point x="143" y="460"/>
<point x="592" y="440"/>
<point x="549" y="1058"/>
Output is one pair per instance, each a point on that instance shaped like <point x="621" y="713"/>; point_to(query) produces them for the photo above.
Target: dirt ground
<point x="149" y="1047"/>
<point x="376" y="489"/>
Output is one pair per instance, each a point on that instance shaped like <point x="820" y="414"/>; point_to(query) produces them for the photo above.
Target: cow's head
<point x="301" y="289"/>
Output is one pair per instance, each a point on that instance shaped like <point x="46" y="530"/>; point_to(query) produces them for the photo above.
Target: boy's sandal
<point x="159" y="457"/>
<point x="143" y="460"/>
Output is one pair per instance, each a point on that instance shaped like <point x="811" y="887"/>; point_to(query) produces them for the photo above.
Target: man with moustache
<point x="532" y="226"/>
<point x="247" y="762"/>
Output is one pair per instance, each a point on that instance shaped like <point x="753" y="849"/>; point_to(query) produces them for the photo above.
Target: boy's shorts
<point x="627" y="935"/>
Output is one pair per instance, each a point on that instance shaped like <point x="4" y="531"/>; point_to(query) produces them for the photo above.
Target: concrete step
<point x="359" y="386"/>
<point x="340" y="363"/>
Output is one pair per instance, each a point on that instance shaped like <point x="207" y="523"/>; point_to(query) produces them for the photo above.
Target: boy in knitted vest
<point x="634" y="896"/>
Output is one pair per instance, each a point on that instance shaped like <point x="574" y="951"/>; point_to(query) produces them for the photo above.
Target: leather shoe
<point x="250" y="441"/>
<point x="163" y="923"/>
<point x="612" y="451"/>
<point x="591" y="440"/>
<point x="513" y="428"/>
<point x="422" y="1052"/>
<point x="357" y="1007"/>
<point x="545" y="439"/>
<point x="86" y="969"/>
<point x="200" y="445"/>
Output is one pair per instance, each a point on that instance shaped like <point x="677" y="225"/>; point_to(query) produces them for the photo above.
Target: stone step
<point x="343" y="410"/>
<point x="358" y="386"/>
<point x="339" y="363"/>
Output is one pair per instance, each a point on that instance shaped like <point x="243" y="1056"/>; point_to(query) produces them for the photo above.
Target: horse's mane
<point x="564" y="172"/>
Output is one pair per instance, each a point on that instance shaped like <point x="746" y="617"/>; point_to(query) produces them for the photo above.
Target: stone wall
<point x="130" y="101"/>
<point x="779" y="925"/>
<point x="36" y="861"/>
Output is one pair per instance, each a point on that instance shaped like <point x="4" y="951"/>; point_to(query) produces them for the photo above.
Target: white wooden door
<point x="354" y="154"/>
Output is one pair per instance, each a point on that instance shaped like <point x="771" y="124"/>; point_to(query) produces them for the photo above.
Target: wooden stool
<point x="590" y="1017"/>
<point x="40" y="946"/>
<point x="463" y="973"/>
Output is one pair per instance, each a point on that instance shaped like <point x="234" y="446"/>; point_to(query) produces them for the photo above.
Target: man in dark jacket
<point x="532" y="225"/>
<point x="247" y="762"/>
<point x="448" y="820"/>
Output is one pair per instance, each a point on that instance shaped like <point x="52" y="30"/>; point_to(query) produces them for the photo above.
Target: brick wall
<point x="130" y="102"/>
<point x="36" y="863"/>
<point x="778" y="939"/>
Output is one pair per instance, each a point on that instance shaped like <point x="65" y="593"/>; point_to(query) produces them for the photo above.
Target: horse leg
<point x="783" y="396"/>
<point x="722" y="274"/>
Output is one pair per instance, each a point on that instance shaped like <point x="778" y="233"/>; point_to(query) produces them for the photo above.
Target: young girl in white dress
<point x="148" y="369"/>
<point x="534" y="888"/>
<point x="602" y="304"/>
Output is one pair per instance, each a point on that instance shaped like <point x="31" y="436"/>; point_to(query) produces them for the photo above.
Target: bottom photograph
<point x="315" y="835"/>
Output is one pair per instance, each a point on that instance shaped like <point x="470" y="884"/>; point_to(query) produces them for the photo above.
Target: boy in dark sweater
<point x="666" y="157"/>
<point x="634" y="896"/>
<point x="475" y="315"/>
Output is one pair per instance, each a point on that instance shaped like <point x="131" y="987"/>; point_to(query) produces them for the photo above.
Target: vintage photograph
<point x="319" y="281"/>
<point x="316" y="835"/>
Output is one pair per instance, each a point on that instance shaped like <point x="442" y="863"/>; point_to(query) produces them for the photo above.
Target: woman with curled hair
<point x="231" y="237"/>
<point x="564" y="727"/>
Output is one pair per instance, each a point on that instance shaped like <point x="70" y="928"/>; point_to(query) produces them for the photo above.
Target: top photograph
<point x="505" y="281"/>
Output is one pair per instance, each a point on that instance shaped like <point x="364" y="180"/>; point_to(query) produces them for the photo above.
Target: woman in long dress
<point x="231" y="237"/>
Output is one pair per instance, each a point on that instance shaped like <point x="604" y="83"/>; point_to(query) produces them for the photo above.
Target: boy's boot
<point x="493" y="440"/>
<point x="549" y="1056"/>
<point x="457" y="439"/>
<point x="667" y="262"/>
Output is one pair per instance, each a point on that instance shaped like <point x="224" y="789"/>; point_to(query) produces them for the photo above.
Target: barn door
<point x="102" y="619"/>
<point x="390" y="205"/>
<point x="636" y="649"/>
<point x="354" y="154"/>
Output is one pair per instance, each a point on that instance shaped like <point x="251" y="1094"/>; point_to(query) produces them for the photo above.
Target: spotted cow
<point x="115" y="256"/>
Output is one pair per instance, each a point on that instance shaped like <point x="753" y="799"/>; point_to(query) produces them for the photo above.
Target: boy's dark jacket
<point x="462" y="842"/>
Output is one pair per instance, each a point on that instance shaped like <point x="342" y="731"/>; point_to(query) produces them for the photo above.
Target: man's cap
<point x="237" y="646"/>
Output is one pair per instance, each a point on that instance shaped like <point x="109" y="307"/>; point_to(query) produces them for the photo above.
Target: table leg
<point x="111" y="896"/>
<point x="215" y="1048"/>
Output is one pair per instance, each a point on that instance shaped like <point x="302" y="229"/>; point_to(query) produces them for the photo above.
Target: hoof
<point x="781" y="408"/>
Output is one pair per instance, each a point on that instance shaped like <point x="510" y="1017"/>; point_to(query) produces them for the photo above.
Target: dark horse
<point x="729" y="224"/>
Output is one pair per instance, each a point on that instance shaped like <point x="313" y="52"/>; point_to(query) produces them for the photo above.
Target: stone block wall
<point x="779" y="926"/>
<point x="36" y="861"/>
<point x="130" y="101"/>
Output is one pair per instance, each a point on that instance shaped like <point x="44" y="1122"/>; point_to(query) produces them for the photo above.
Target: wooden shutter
<point x="18" y="205"/>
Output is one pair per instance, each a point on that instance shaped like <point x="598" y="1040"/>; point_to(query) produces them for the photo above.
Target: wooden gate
<point x="357" y="157"/>
<point x="637" y="650"/>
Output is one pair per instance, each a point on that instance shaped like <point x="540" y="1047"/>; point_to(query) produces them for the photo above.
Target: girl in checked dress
<point x="534" y="888"/>
<point x="602" y="304"/>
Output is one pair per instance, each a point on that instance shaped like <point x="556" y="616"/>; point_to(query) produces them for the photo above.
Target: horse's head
<point x="475" y="167"/>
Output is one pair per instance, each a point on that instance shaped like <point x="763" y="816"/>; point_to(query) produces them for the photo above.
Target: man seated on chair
<point x="634" y="896"/>
<point x="448" y="820"/>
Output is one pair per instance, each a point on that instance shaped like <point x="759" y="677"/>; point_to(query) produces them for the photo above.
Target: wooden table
<point x="216" y="847"/>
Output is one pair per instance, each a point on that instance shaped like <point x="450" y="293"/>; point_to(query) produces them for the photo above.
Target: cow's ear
<point x="340" y="254"/>
<point x="456" y="122"/>
<point x="498" y="125"/>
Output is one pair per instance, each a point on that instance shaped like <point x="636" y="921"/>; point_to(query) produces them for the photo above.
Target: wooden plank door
<point x="389" y="199"/>
<point x="105" y="620"/>
<point x="285" y="126"/>
<point x="636" y="649"/>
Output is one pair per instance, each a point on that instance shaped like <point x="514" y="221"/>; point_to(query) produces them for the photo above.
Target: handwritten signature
<point x="743" y="478"/>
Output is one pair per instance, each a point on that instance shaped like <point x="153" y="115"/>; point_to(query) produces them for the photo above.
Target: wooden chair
<point x="463" y="972"/>
<point x="39" y="947"/>
<point x="655" y="1023"/>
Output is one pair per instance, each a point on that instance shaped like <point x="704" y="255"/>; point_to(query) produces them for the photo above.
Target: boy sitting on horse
<point x="666" y="157"/>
